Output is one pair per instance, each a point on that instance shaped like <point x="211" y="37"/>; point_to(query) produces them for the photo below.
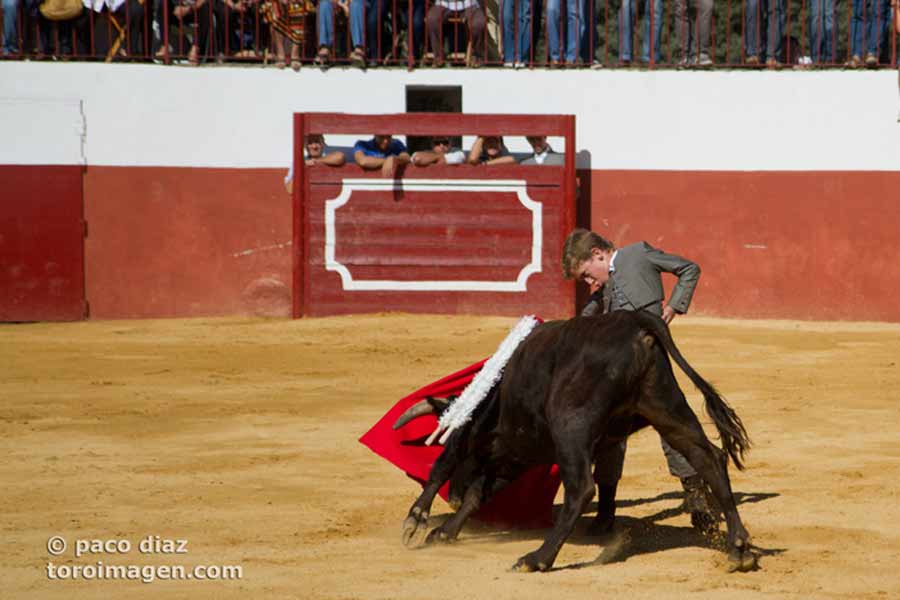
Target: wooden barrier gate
<point x="438" y="239"/>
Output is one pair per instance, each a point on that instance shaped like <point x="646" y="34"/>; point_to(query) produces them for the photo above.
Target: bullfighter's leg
<point x="608" y="461"/>
<point x="444" y="466"/>
<point x="669" y="413"/>
<point x="574" y="460"/>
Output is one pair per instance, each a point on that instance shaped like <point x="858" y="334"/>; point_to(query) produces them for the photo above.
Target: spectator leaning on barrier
<point x="543" y="153"/>
<point x="315" y="152"/>
<point x="441" y="154"/>
<point x="381" y="152"/>
<point x="441" y="12"/>
<point x="693" y="33"/>
<point x="184" y="14"/>
<point x="629" y="278"/>
<point x="490" y="150"/>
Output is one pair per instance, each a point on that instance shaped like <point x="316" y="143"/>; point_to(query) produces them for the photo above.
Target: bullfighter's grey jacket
<point x="635" y="282"/>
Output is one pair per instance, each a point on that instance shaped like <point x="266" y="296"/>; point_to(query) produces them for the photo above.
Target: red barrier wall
<point x="789" y="245"/>
<point x="167" y="242"/>
<point x="41" y="244"/>
<point x="441" y="239"/>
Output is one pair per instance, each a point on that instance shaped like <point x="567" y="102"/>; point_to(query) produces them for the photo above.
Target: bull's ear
<point x="648" y="339"/>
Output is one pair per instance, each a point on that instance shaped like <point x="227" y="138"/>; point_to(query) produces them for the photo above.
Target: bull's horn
<point x="420" y="408"/>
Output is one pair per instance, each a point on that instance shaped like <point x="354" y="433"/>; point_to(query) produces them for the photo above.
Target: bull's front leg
<point x="575" y="469"/>
<point x="417" y="518"/>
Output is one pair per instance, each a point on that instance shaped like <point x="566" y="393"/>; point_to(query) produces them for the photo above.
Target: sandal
<point x="358" y="58"/>
<point x="279" y="62"/>
<point x="323" y="57"/>
<point x="194" y="56"/>
<point x="295" y="64"/>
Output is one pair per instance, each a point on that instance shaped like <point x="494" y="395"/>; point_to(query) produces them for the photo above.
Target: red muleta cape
<point x="527" y="502"/>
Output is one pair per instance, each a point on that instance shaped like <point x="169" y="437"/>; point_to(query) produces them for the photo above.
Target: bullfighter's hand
<point x="668" y="314"/>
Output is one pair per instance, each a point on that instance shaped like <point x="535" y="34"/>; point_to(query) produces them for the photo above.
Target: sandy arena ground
<point x="240" y="436"/>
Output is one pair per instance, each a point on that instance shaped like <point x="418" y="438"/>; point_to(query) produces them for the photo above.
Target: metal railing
<point x="510" y="33"/>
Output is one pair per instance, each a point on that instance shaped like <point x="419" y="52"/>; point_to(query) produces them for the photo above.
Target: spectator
<point x="191" y="17"/>
<point x="693" y="31"/>
<point x="764" y="30"/>
<point x="868" y="27"/>
<point x="516" y="32"/>
<point x="438" y="15"/>
<point x="402" y="31"/>
<point x="287" y="28"/>
<point x="315" y="152"/>
<point x="441" y="153"/>
<point x="10" y="31"/>
<point x="626" y="18"/>
<point x="490" y="150"/>
<point x="821" y="31"/>
<point x="575" y="28"/>
<point x="381" y="152"/>
<point x="543" y="153"/>
<point x="128" y="13"/>
<point x="56" y="35"/>
<point x="355" y="10"/>
<point x="237" y="19"/>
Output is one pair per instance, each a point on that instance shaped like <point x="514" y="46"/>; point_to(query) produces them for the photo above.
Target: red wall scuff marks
<point x="184" y="242"/>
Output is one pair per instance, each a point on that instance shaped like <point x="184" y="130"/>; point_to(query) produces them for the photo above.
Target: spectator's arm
<point x="332" y="159"/>
<point x="392" y="163"/>
<point x="502" y="160"/>
<point x="475" y="152"/>
<point x="368" y="163"/>
<point x="423" y="158"/>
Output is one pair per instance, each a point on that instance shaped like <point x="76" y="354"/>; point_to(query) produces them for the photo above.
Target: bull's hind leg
<point x="669" y="413"/>
<point x="574" y="463"/>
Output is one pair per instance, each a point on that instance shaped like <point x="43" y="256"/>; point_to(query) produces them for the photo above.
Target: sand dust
<point x="240" y="436"/>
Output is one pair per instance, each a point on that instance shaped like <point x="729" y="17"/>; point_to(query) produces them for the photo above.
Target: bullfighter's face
<point x="595" y="270"/>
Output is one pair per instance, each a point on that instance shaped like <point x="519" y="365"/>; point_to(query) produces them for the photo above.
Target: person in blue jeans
<point x="574" y="27"/>
<point x="821" y="31"/>
<point x="626" y="18"/>
<point x="868" y="30"/>
<point x="763" y="31"/>
<point x="10" y="32"/>
<point x="365" y="18"/>
<point x="516" y="15"/>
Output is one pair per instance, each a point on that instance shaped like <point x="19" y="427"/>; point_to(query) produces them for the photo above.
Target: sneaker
<point x="751" y="60"/>
<point x="871" y="60"/>
<point x="772" y="63"/>
<point x="854" y="61"/>
<point x="705" y="60"/>
<point x="520" y="65"/>
<point x="508" y="65"/>
<point x="596" y="65"/>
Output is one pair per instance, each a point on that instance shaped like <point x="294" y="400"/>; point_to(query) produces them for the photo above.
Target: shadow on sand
<point x="631" y="536"/>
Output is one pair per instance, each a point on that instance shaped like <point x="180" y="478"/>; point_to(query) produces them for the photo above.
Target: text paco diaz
<point x="152" y="544"/>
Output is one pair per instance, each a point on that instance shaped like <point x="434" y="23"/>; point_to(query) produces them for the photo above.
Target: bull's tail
<point x="734" y="437"/>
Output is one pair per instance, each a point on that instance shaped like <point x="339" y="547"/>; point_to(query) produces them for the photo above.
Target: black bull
<point x="570" y="390"/>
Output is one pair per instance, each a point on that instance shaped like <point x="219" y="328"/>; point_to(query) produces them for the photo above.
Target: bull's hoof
<point x="438" y="536"/>
<point x="415" y="522"/>
<point x="741" y="561"/>
<point x="530" y="563"/>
